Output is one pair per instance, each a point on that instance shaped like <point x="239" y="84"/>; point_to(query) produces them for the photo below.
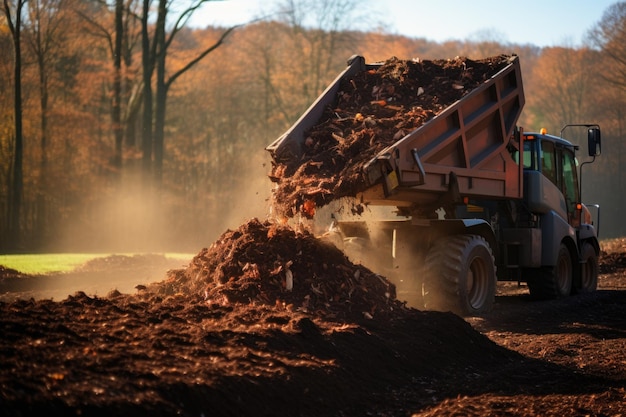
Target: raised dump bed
<point x="469" y="140"/>
<point x="465" y="143"/>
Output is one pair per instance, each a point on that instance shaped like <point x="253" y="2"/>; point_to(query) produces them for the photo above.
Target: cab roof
<point x="551" y="138"/>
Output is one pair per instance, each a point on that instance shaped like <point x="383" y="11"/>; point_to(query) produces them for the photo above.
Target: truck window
<point x="570" y="183"/>
<point x="529" y="158"/>
<point x="530" y="155"/>
<point x="548" y="161"/>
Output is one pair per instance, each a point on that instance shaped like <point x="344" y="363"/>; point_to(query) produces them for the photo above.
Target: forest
<point x="122" y="128"/>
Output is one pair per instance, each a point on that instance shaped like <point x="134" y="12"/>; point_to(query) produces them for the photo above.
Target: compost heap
<point x="372" y="110"/>
<point x="271" y="264"/>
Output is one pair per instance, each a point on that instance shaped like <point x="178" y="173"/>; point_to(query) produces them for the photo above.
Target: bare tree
<point x="609" y="36"/>
<point x="154" y="57"/>
<point x="45" y="36"/>
<point x="564" y="80"/>
<point x="319" y="30"/>
<point x="147" y="64"/>
<point x="116" y="105"/>
<point x="298" y="53"/>
<point x="14" y="21"/>
<point x="121" y="40"/>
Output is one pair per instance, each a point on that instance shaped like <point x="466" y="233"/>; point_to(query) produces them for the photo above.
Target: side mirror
<point x="593" y="141"/>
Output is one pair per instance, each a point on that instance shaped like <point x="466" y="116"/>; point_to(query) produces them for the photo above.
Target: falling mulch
<point x="372" y="110"/>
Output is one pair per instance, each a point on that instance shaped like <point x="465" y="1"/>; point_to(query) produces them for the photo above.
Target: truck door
<point x="549" y="161"/>
<point x="569" y="185"/>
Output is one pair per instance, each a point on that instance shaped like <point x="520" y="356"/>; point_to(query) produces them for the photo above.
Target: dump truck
<point x="468" y="199"/>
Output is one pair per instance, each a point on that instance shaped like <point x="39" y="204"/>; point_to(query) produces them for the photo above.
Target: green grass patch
<point x="61" y="262"/>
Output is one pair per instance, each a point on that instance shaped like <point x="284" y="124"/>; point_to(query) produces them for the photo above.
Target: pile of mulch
<point x="372" y="110"/>
<point x="273" y="264"/>
<point x="226" y="337"/>
<point x="266" y="321"/>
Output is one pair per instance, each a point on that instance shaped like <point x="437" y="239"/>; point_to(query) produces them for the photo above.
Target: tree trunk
<point x="155" y="55"/>
<point x="43" y="167"/>
<point x="116" y="108"/>
<point x="161" y="95"/>
<point x="159" y="130"/>
<point x="17" y="184"/>
<point x="147" y="64"/>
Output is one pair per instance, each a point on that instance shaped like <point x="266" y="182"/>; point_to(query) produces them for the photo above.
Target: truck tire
<point x="553" y="281"/>
<point x="460" y="276"/>
<point x="588" y="270"/>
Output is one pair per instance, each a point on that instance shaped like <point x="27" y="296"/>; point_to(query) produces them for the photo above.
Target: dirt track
<point x="181" y="354"/>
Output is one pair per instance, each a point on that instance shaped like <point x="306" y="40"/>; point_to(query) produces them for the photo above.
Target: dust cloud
<point x="133" y="220"/>
<point x="132" y="229"/>
<point x="373" y="239"/>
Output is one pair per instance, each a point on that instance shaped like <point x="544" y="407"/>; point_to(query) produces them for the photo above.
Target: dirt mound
<point x="6" y="273"/>
<point x="373" y="110"/>
<point x="98" y="276"/>
<point x="267" y="263"/>
<point x="123" y="262"/>
<point x="612" y="262"/>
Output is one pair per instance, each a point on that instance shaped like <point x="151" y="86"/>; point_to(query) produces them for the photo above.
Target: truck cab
<point x="555" y="158"/>
<point x="560" y="257"/>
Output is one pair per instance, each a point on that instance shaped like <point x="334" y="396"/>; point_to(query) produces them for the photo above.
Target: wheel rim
<point x="585" y="272"/>
<point x="564" y="274"/>
<point x="477" y="283"/>
<point x="588" y="272"/>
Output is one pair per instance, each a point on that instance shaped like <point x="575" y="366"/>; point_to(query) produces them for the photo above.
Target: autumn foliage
<point x="221" y="114"/>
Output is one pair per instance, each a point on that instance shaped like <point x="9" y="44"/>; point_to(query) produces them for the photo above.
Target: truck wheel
<point x="460" y="276"/>
<point x="563" y="272"/>
<point x="588" y="270"/>
<point x="553" y="281"/>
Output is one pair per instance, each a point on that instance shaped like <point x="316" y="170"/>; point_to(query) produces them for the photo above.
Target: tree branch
<point x="194" y="61"/>
<point x="7" y="13"/>
<point x="182" y="21"/>
<point x="100" y="29"/>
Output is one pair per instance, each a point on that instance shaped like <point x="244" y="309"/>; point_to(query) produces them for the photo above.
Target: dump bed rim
<point x="385" y="153"/>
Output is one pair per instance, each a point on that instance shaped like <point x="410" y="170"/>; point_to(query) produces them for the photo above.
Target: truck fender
<point x="587" y="231"/>
<point x="554" y="231"/>
<point x="449" y="227"/>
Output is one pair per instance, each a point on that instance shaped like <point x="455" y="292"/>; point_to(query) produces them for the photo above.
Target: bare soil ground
<point x="268" y="321"/>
